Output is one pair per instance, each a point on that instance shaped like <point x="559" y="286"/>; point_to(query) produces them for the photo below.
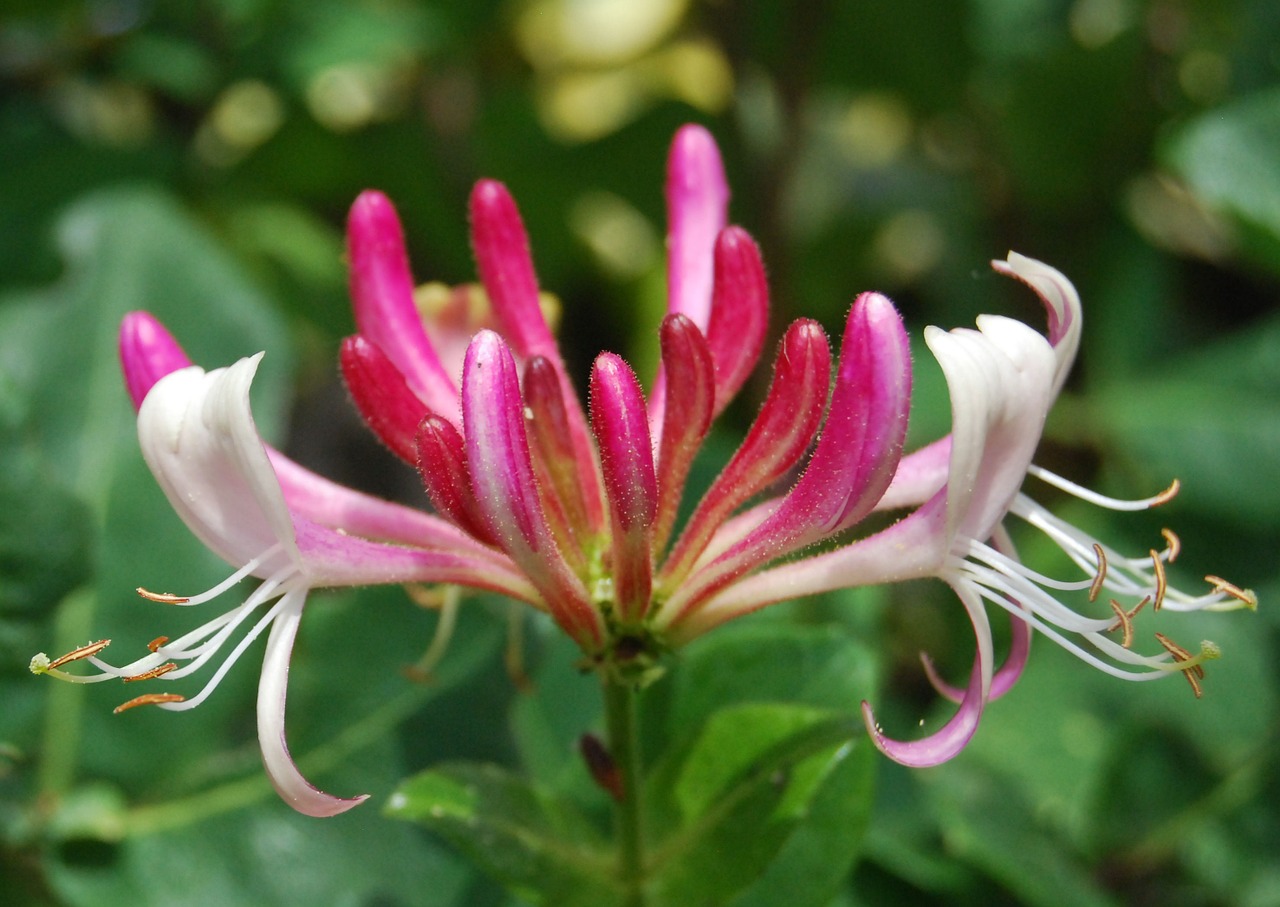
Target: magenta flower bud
<point x="739" y="312"/>
<point x="626" y="461"/>
<point x="379" y="391"/>
<point x="148" y="352"/>
<point x="502" y="478"/>
<point x="382" y="300"/>
<point x="691" y="398"/>
<point x="781" y="433"/>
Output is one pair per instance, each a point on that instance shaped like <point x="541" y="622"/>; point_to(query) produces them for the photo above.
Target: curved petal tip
<point x="940" y="746"/>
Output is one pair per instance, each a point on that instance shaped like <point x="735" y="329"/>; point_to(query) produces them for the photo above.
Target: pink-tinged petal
<point x="503" y="258"/>
<point x="1005" y="677"/>
<point x="944" y="744"/>
<point x="920" y="475"/>
<point x="626" y="460"/>
<point x="1020" y="632"/>
<point x="315" y="498"/>
<point x="778" y="438"/>
<point x="1061" y="303"/>
<point x="855" y="457"/>
<point x="949" y="740"/>
<point x="442" y="464"/>
<point x="697" y="208"/>
<point x="452" y="316"/>
<point x="148" y="352"/>
<point x="330" y="558"/>
<point x="739" y="312"/>
<point x="289" y="783"/>
<point x="379" y="391"/>
<point x="382" y="292"/>
<point x="687" y="415"/>
<point x="198" y="437"/>
<point x="503" y="480"/>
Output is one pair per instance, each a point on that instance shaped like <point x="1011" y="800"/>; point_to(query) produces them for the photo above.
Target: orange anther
<point x="85" y="651"/>
<point x="1228" y="588"/>
<point x="1162" y="583"/>
<point x="1167" y="495"/>
<point x="152" y="674"/>
<point x="1193" y="672"/>
<point x="1101" y="576"/>
<point x="165" y="598"/>
<point x="147" y="699"/>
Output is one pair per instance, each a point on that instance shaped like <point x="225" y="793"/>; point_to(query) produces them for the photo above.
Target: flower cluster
<point x="572" y="509"/>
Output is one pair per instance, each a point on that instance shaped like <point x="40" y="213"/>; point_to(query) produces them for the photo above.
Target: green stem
<point x="624" y="747"/>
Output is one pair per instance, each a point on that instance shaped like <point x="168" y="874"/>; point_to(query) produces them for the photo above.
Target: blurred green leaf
<point x="1228" y="157"/>
<point x="1212" y="419"/>
<point x="46" y="538"/>
<point x="989" y="826"/>
<point x="266" y="855"/>
<point x="534" y="843"/>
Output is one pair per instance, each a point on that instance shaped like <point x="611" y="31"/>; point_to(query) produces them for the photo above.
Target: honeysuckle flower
<point x="1002" y="378"/>
<point x="572" y="509"/>
<point x="198" y="437"/>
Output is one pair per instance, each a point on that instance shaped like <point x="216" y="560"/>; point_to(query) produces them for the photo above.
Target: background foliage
<point x="196" y="159"/>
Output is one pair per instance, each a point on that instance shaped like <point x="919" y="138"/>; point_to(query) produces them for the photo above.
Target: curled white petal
<point x="199" y="439"/>
<point x="289" y="783"/>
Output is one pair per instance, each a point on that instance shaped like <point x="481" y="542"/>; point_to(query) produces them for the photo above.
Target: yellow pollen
<point x="1173" y="542"/>
<point x="147" y="699"/>
<point x="86" y="651"/>
<point x="157" y="643"/>
<point x="165" y="598"/>
<point x="1168" y="494"/>
<point x="1101" y="576"/>
<point x="1162" y="583"/>
<point x="1247" y="596"/>
<point x="152" y="674"/>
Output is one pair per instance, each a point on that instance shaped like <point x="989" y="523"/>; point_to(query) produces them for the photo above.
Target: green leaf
<point x="1228" y="157"/>
<point x="760" y="660"/>
<point x="533" y="842"/>
<point x="264" y="855"/>
<point x="733" y="746"/>
<point x="758" y="794"/>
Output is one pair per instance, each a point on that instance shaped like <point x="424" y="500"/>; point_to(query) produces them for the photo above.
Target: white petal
<point x="198" y="436"/>
<point x="1063" y="304"/>
<point x="1001" y="384"/>
<point x="272" y="690"/>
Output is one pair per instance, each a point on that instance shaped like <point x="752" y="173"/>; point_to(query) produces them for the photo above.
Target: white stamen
<point x="1093" y="497"/>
